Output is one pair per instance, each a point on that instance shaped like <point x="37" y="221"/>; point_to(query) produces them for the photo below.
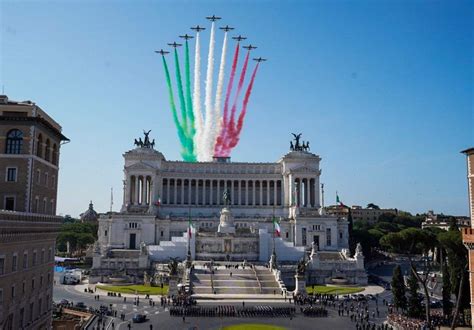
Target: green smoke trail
<point x="189" y="144"/>
<point x="189" y="100"/>
<point x="182" y="103"/>
<point x="181" y="135"/>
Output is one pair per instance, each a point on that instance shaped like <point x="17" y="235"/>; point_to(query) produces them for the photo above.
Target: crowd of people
<point x="314" y="311"/>
<point x="233" y="311"/>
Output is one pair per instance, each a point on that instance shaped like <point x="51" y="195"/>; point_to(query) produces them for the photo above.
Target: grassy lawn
<point x="253" y="326"/>
<point x="132" y="289"/>
<point x="334" y="289"/>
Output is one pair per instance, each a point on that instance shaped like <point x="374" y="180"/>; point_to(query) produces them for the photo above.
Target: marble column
<point x="175" y="191"/>
<point x="254" y="188"/>
<point x="137" y="189"/>
<point x="240" y="192"/>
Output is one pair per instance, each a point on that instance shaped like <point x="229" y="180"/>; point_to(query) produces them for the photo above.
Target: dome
<point x="90" y="215"/>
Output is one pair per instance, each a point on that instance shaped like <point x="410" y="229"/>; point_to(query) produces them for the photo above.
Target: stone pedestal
<point x="226" y="223"/>
<point x="300" y="284"/>
<point x="173" y="286"/>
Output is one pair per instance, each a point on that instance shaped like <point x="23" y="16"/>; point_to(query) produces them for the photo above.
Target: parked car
<point x="139" y="318"/>
<point x="64" y="302"/>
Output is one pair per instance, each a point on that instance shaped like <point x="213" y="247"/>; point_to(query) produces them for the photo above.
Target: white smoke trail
<point x="206" y="138"/>
<point x="197" y="99"/>
<point x="217" y="120"/>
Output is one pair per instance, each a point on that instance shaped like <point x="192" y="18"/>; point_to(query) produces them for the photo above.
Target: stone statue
<point x="173" y="266"/>
<point x="358" y="250"/>
<point x="292" y="147"/>
<point x="145" y="143"/>
<point x="142" y="248"/>
<point x="307" y="146"/>
<point x="301" y="268"/>
<point x="297" y="140"/>
<point x="226" y="197"/>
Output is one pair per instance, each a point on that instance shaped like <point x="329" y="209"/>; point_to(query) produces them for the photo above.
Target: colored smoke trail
<point x="230" y="128"/>
<point x="182" y="103"/>
<point x="206" y="139"/>
<point x="224" y="121"/>
<point x="189" y="102"/>
<point x="217" y="106"/>
<point x="234" y="139"/>
<point x="189" y="149"/>
<point x="181" y="135"/>
<point x="197" y="100"/>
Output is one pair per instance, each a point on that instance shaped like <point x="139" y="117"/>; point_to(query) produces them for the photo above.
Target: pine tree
<point x="414" y="307"/>
<point x="447" y="304"/>
<point x="398" y="289"/>
<point x="352" y="242"/>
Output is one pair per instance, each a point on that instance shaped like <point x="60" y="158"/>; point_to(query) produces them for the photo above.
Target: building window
<point x="328" y="236"/>
<point x="53" y="181"/>
<point x="36" y="204"/>
<point x="51" y="203"/>
<point x="41" y="281"/>
<point x="1" y="296"/>
<point x="14" y="263"/>
<point x="22" y="317"/>
<point x="44" y="205"/>
<point x="13" y="292"/>
<point x="47" y="150"/>
<point x="42" y="256"/>
<point x="50" y="255"/>
<point x="34" y="258"/>
<point x="303" y="236"/>
<point x="38" y="176"/>
<point x="287" y="234"/>
<point x="2" y="265"/>
<point x="23" y="288"/>
<point x="14" y="141"/>
<point x="55" y="154"/>
<point x="33" y="283"/>
<point x="46" y="178"/>
<point x="11" y="174"/>
<point x="10" y="203"/>
<point x="161" y="233"/>
<point x="25" y="260"/>
<point x="105" y="232"/>
<point x="340" y="234"/>
<point x="39" y="146"/>
<point x="32" y="305"/>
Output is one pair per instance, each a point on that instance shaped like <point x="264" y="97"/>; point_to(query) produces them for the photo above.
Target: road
<point x="159" y="317"/>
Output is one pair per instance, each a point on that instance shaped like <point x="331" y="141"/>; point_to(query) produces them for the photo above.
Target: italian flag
<point x="338" y="201"/>
<point x="277" y="227"/>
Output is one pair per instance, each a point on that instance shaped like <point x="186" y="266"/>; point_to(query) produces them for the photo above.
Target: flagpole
<point x="188" y="256"/>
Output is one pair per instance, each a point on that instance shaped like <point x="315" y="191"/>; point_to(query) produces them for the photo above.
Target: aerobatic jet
<point x="226" y="28"/>
<point x="162" y="52"/>
<point x="213" y="18"/>
<point x="259" y="59"/>
<point x="186" y="37"/>
<point x="174" y="45"/>
<point x="239" y="38"/>
<point x="250" y="47"/>
<point x="197" y="28"/>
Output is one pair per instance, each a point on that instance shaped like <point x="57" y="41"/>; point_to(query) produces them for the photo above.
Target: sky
<point x="383" y="90"/>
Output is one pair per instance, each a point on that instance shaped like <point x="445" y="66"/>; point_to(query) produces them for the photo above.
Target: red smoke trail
<point x="231" y="124"/>
<point x="232" y="140"/>
<point x="221" y="136"/>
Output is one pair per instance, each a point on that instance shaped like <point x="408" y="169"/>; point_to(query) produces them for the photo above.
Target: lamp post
<point x="273" y="260"/>
<point x="188" y="255"/>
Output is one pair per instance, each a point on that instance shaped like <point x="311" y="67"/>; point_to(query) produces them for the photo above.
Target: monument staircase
<point x="252" y="282"/>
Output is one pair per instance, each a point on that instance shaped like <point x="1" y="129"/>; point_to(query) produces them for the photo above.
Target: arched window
<point x="55" y="154"/>
<point x="47" y="151"/>
<point x="39" y="146"/>
<point x="14" y="141"/>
